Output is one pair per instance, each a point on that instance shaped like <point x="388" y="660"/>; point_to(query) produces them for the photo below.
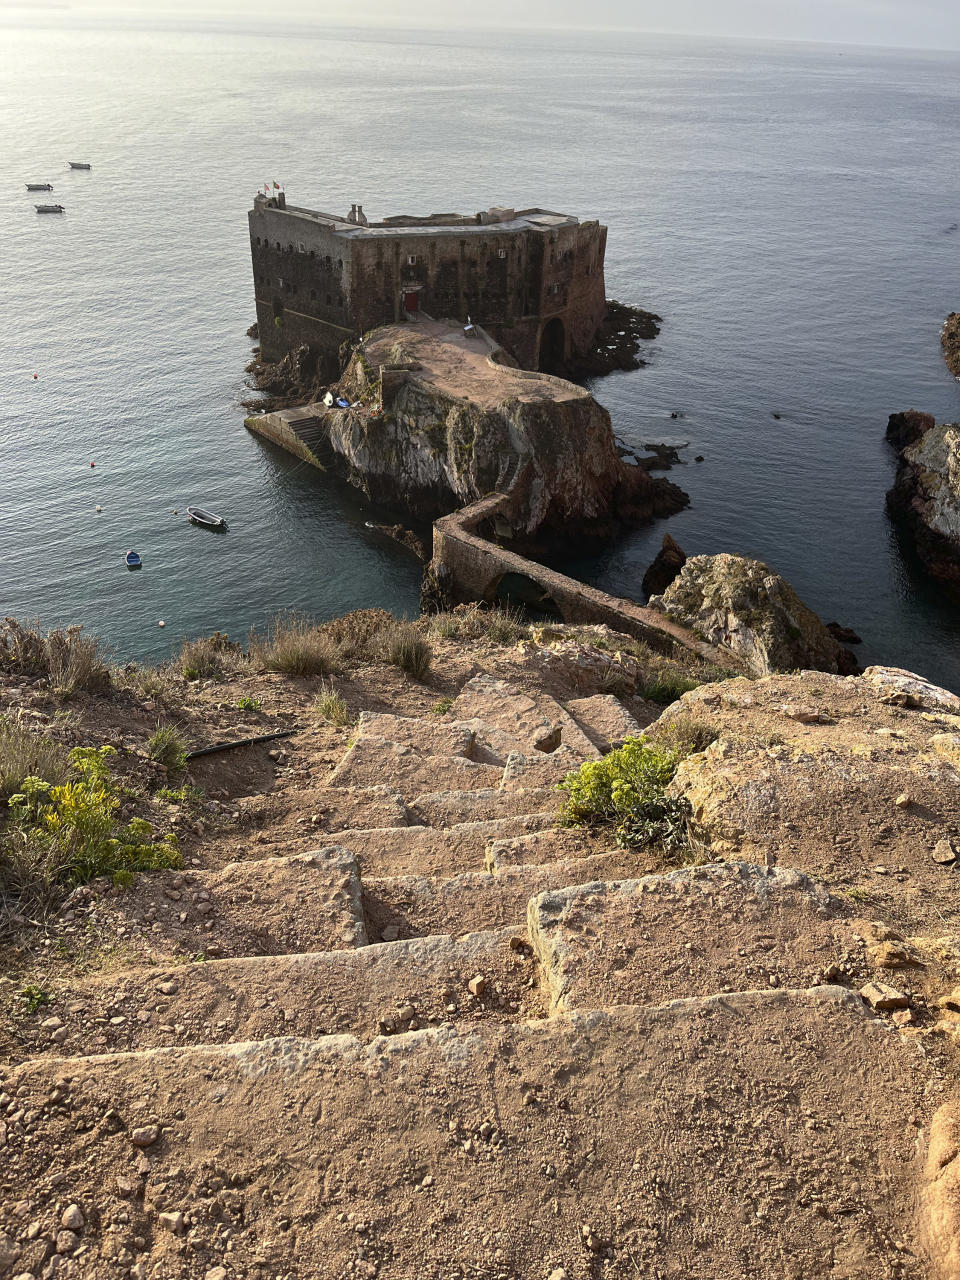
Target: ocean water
<point x="790" y="210"/>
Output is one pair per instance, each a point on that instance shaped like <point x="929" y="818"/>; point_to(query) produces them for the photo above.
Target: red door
<point x="411" y="301"/>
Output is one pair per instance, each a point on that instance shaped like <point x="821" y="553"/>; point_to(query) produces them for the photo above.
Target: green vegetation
<point x="24" y="754"/>
<point x="69" y="661"/>
<point x="168" y="747"/>
<point x="60" y="836"/>
<point x="249" y="704"/>
<point x="495" y="623"/>
<point x="330" y="706"/>
<point x="34" y="997"/>
<point x="666" y="686"/>
<point x="683" y="733"/>
<point x="186" y="794"/>
<point x="441" y="707"/>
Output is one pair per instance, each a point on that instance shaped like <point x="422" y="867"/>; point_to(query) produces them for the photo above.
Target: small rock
<point x="902" y="1017"/>
<point x="216" y="1273"/>
<point x="881" y="997"/>
<point x="406" y="1013"/>
<point x="903" y="800"/>
<point x="893" y="955"/>
<point x="558" y="1273"/>
<point x="391" y="933"/>
<point x="67" y="1241"/>
<point x="167" y="988"/>
<point x="52" y="1024"/>
<point x="72" y="1218"/>
<point x="145" y="1136"/>
<point x="478" y="985"/>
<point x="944" y="852"/>
<point x="174" y="1222"/>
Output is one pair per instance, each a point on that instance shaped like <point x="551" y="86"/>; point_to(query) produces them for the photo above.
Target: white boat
<point x="206" y="518"/>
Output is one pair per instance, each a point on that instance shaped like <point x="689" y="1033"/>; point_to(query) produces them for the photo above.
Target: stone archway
<point x="518" y="591"/>
<point x="553" y="347"/>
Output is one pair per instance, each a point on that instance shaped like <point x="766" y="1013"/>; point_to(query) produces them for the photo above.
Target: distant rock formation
<point x="668" y="562"/>
<point x="950" y="341"/>
<point x="925" y="496"/>
<point x="434" y="424"/>
<point x="741" y="605"/>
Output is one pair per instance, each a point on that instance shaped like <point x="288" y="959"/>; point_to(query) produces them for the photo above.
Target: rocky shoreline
<point x="950" y="342"/>
<point x="925" y="498"/>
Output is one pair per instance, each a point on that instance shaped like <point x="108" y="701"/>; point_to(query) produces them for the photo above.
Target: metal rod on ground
<point x="241" y="742"/>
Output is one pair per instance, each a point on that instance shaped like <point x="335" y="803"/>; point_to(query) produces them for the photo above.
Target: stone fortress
<point x="532" y="278"/>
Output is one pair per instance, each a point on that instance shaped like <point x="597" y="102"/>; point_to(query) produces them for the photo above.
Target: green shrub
<point x="685" y="733"/>
<point x="627" y="790"/>
<point x="667" y="686"/>
<point x="34" y="997"/>
<point x="60" y="836"/>
<point x="186" y="794"/>
<point x="168" y="747"/>
<point x="442" y="707"/>
<point x="331" y="706"/>
<point x="70" y="661"/>
<point x="249" y="704"/>
<point x="24" y="754"/>
<point x="295" y="646"/>
<point x="406" y="648"/>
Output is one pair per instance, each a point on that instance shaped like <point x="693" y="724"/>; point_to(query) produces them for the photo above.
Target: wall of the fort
<point x="302" y="276"/>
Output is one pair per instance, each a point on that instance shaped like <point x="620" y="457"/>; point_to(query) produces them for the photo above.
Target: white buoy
<point x="99" y="508"/>
<point x="161" y="623"/>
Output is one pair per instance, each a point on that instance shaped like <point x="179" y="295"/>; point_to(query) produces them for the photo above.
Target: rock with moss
<point x="925" y="497"/>
<point x="743" y="606"/>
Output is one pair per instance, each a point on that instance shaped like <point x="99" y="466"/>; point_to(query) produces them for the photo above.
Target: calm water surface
<point x="791" y="211"/>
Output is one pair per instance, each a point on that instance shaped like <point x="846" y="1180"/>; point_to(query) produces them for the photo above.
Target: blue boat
<point x="132" y="560"/>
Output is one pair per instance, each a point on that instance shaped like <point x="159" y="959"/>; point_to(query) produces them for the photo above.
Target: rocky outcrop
<point x="617" y="342"/>
<point x="925" y="496"/>
<point x="456" y="426"/>
<point x="950" y="341"/>
<point x="667" y="563"/>
<point x="741" y="605"/>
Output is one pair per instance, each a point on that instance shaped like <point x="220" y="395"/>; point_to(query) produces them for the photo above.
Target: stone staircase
<point x="454" y="1040"/>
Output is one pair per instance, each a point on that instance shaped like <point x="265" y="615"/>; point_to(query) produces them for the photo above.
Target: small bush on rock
<point x="70" y="661"/>
<point x="627" y="790"/>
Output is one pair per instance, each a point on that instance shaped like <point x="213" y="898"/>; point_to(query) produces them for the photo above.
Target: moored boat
<point x="132" y="560"/>
<point x="39" y="186"/>
<point x="79" y="164"/>
<point x="206" y="518"/>
<point x="49" y="208"/>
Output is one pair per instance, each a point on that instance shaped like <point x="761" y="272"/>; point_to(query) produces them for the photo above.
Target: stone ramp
<point x="761" y="1134"/>
<point x="688" y="933"/>
<point x="432" y="851"/>
<point x="271" y="906"/>
<point x="368" y="991"/>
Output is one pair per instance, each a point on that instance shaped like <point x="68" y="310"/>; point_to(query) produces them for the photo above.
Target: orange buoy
<point x="92" y="464"/>
<point x="36" y="376"/>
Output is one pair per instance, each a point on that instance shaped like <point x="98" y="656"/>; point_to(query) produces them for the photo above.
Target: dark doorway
<point x="517" y="591"/>
<point x="552" y="346"/>
<point x="411" y="301"/>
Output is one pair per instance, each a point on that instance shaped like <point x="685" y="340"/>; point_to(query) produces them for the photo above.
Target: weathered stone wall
<point x="472" y="567"/>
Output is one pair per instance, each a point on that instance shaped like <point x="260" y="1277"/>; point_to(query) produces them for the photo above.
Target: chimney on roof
<point x="361" y="216"/>
<point x="352" y="215"/>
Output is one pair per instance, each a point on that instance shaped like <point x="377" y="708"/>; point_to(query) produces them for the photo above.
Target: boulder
<point x="669" y="560"/>
<point x="925" y="497"/>
<point x="744" y="607"/>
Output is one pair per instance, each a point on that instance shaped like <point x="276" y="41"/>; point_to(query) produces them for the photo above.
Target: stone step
<point x="548" y="844"/>
<point x="605" y="720"/>
<point x="502" y="715"/>
<point x="449" y="808"/>
<point x="688" y="933"/>
<point x="415" y="906"/>
<point x="673" y="1135"/>
<point x="538" y="770"/>
<point x="429" y="851"/>
<point x="372" y="759"/>
<point x="339" y="807"/>
<point x="384" y="988"/>
<point x="433" y="737"/>
<point x="308" y="902"/>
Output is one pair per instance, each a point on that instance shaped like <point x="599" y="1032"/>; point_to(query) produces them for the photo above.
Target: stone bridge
<point x="477" y="568"/>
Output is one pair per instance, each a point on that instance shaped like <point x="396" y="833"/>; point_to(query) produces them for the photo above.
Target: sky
<point x="927" y="24"/>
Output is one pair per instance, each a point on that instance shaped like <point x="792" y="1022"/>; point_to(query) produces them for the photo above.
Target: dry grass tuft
<point x="295" y="646"/>
<point x="68" y="660"/>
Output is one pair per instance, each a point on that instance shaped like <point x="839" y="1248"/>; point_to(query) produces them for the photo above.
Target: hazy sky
<point x="932" y="24"/>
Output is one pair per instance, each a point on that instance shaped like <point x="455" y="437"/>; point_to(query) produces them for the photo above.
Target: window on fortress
<point x="313" y="253"/>
<point x="502" y="253"/>
<point x="301" y="247"/>
<point x="278" y="247"/>
<point x="289" y="248"/>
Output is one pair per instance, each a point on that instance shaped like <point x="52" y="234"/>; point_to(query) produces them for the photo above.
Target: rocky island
<point x="925" y="496"/>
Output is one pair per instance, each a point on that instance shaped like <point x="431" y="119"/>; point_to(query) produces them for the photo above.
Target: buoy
<point x="93" y="464"/>
<point x="161" y="623"/>
<point x="36" y="376"/>
<point x="175" y="511"/>
<point x="99" y="508"/>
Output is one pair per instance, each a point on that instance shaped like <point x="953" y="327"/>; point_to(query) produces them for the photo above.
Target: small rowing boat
<point x="79" y="164"/>
<point x="206" y="519"/>
<point x="132" y="560"/>
<point x="39" y="186"/>
<point x="49" y="208"/>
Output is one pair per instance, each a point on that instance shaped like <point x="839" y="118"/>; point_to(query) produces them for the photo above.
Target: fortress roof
<point x="492" y="221"/>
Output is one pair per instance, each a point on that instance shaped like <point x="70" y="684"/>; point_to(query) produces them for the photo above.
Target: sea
<point x="792" y="211"/>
